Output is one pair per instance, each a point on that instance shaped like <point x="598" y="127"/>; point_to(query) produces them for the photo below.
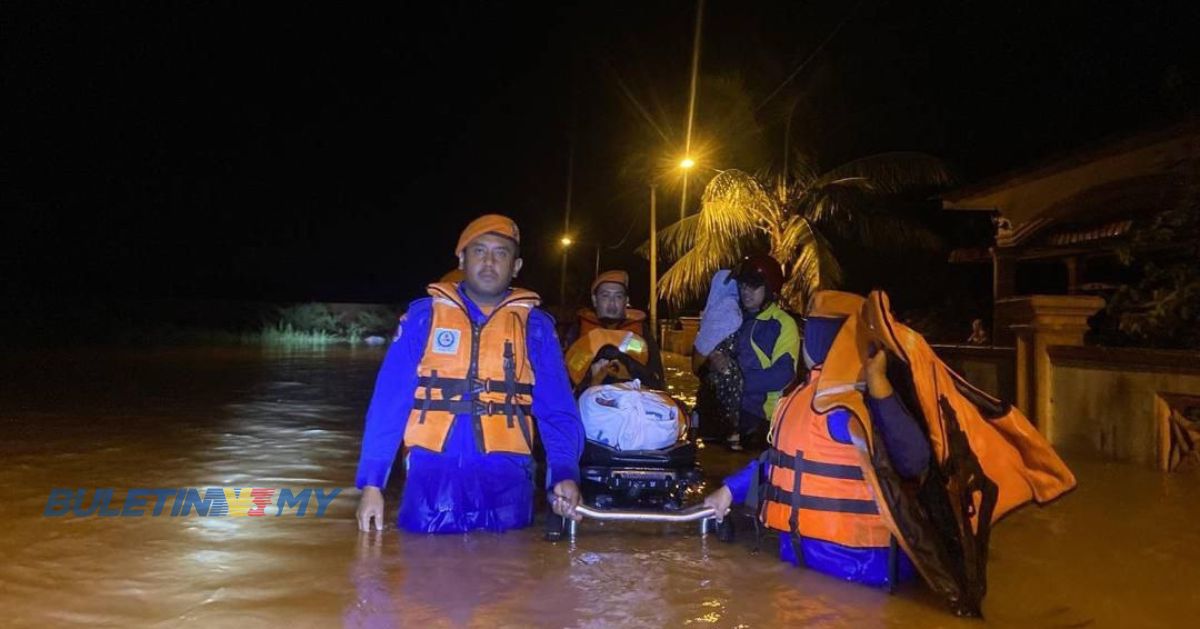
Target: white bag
<point x="627" y="417"/>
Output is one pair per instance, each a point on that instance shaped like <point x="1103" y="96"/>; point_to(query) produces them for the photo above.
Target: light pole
<point x="687" y="162"/>
<point x="562" y="278"/>
<point x="685" y="165"/>
<point x="654" y="260"/>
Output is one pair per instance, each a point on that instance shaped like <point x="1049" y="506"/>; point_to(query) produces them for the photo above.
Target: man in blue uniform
<point x="469" y="370"/>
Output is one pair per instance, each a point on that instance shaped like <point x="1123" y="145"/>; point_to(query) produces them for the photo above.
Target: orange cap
<point x="488" y="224"/>
<point x="618" y="277"/>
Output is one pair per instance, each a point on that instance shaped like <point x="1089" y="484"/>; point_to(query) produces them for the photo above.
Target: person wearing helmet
<point x="767" y="347"/>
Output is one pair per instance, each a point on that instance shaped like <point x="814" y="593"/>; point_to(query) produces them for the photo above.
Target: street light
<point x="566" y="241"/>
<point x="685" y="164"/>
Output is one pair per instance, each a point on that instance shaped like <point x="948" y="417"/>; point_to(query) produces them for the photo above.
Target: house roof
<point x="1128" y="175"/>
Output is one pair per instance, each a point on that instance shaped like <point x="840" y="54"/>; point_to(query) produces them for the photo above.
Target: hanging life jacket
<point x="481" y="371"/>
<point x="987" y="458"/>
<point x="817" y="492"/>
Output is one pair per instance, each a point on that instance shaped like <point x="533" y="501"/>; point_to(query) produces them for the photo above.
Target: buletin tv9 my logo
<point x="211" y="502"/>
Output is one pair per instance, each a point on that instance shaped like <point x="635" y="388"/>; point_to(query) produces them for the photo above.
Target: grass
<point x="285" y="335"/>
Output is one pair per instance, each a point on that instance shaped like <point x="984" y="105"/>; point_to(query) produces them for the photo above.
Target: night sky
<point x="317" y="152"/>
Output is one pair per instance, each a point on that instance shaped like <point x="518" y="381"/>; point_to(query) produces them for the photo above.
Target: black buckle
<point x="481" y="385"/>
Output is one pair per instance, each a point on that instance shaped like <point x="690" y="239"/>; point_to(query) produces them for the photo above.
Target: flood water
<point x="1122" y="550"/>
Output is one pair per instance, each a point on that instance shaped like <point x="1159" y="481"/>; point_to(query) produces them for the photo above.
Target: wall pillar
<point x="1004" y="285"/>
<point x="1040" y="321"/>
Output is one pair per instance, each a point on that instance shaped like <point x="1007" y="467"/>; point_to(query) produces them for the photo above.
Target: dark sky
<point x="323" y="152"/>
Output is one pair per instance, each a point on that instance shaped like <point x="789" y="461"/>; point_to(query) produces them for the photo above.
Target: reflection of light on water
<point x="207" y="530"/>
<point x="212" y="558"/>
<point x="681" y="382"/>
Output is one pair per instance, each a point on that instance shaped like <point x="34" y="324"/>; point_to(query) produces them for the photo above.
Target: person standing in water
<point x="767" y="347"/>
<point x="471" y="368"/>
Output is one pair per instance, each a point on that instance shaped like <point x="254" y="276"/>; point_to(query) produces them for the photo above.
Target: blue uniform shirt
<point x="461" y="488"/>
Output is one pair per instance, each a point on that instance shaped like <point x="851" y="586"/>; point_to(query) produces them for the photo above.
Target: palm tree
<point x="790" y="214"/>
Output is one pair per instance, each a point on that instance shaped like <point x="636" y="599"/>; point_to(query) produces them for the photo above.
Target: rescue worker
<point x="612" y="342"/>
<point x="871" y="483"/>
<point x="861" y="554"/>
<point x="473" y="365"/>
<point x="767" y="348"/>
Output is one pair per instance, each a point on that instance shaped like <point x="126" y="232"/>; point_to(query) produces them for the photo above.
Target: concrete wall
<point x="677" y="335"/>
<point x="992" y="369"/>
<point x="1103" y="399"/>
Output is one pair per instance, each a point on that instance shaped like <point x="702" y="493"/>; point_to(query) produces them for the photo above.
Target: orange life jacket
<point x="477" y="370"/>
<point x="583" y="351"/>
<point x="594" y="334"/>
<point x="829" y="498"/>
<point x="634" y="321"/>
<point x="987" y="458"/>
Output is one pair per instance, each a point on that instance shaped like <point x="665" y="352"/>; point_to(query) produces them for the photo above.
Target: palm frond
<point x="675" y="239"/>
<point x="734" y="203"/>
<point x="837" y="200"/>
<point x="802" y="169"/>
<point x="734" y="211"/>
<point x="795" y="235"/>
<point x="887" y="232"/>
<point x="815" y="268"/>
<point x="690" y="275"/>
<point x="893" y="172"/>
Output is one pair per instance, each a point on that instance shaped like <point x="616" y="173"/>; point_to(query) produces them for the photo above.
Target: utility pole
<point x="566" y="237"/>
<point x="654" y="260"/>
<point x="687" y="149"/>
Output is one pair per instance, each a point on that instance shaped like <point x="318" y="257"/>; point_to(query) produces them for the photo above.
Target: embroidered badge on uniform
<point x="445" y="341"/>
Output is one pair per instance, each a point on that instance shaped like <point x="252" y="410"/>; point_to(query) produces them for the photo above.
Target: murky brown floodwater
<point x="1123" y="550"/>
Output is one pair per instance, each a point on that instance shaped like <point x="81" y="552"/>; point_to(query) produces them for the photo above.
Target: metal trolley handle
<point x="702" y="513"/>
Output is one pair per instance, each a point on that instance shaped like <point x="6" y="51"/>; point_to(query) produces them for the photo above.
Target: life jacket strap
<point x="428" y="384"/>
<point x="808" y="466"/>
<point x="816" y="503"/>
<point x="474" y="407"/>
<point x="510" y="386"/>
<point x="795" y="497"/>
<point x="459" y="387"/>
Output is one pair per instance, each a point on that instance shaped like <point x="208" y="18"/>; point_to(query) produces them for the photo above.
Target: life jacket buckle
<point x="485" y="408"/>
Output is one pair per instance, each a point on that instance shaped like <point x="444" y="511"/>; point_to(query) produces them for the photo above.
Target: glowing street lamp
<point x="566" y="241"/>
<point x="687" y="163"/>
